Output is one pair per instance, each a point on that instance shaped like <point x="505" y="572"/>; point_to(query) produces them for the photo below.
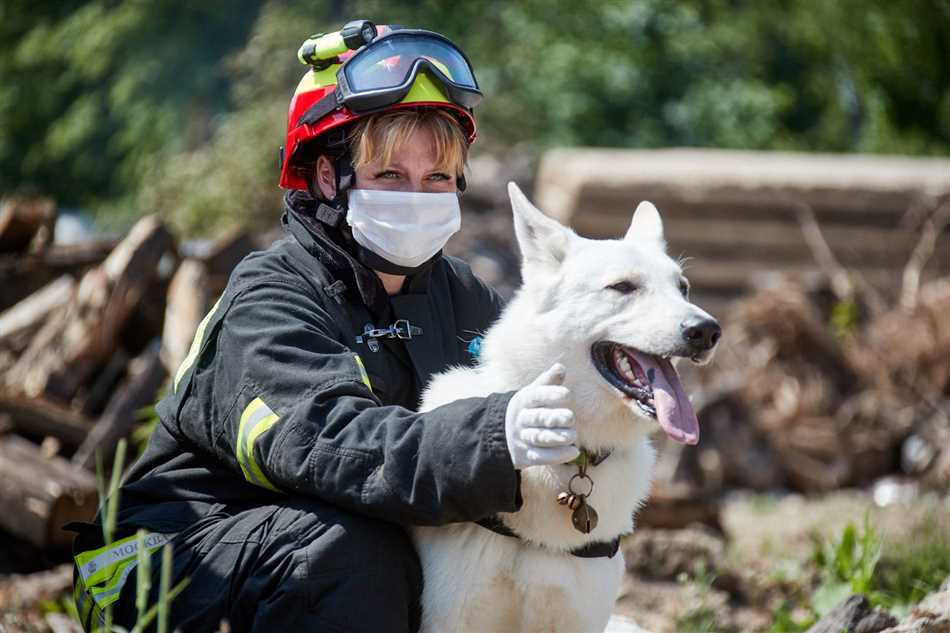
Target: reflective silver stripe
<point x="121" y="551"/>
<point x="256" y="419"/>
<point x="261" y="412"/>
<point x="101" y="597"/>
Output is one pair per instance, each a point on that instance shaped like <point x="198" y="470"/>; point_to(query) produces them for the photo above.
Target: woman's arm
<point x="287" y="408"/>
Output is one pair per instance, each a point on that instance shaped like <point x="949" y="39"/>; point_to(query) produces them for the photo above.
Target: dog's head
<point x="615" y="312"/>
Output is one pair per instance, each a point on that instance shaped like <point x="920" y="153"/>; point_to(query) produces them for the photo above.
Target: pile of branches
<point x="89" y="333"/>
<point x="824" y="383"/>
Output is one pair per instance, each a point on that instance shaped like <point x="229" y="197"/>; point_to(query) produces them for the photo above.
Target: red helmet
<point x="398" y="68"/>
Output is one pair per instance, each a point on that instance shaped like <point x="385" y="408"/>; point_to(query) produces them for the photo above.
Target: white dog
<point x="612" y="312"/>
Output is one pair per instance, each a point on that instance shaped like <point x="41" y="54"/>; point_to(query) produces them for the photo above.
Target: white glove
<point x="538" y="425"/>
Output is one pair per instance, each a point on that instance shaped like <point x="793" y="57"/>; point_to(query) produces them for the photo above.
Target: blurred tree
<point x="233" y="179"/>
<point x="177" y="113"/>
<point x="95" y="92"/>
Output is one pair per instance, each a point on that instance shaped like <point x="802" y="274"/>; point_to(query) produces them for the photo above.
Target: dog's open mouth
<point x="651" y="384"/>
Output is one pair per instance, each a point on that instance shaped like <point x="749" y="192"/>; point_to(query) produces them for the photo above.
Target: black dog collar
<point x="598" y="549"/>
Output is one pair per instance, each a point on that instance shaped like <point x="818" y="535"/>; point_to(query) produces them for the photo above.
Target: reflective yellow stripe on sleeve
<point x="256" y="420"/>
<point x="195" y="345"/>
<point x="363" y="374"/>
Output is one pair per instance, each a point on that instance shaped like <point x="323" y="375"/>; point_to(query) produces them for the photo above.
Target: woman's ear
<point x="324" y="176"/>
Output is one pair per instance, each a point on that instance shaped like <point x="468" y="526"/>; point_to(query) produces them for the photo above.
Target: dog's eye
<point x="684" y="288"/>
<point x="624" y="287"/>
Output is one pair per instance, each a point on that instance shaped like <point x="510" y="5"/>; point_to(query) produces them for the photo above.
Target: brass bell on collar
<point x="584" y="518"/>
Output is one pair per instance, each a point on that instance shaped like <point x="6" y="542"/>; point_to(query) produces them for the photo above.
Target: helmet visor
<point x="381" y="73"/>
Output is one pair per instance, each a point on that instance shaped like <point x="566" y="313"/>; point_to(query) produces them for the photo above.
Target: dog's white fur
<point x="479" y="581"/>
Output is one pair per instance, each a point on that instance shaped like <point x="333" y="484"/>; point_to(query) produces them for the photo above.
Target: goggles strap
<point x="320" y="109"/>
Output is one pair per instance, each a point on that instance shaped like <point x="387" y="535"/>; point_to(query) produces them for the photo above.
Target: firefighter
<point x="288" y="455"/>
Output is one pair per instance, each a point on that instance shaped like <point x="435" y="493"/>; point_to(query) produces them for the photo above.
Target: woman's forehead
<point x="417" y="148"/>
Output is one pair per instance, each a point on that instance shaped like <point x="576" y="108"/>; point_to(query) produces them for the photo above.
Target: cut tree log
<point x="41" y="419"/>
<point x="187" y="304"/>
<point x="40" y="495"/>
<point x="732" y="207"/>
<point x="674" y="505"/>
<point x="146" y="374"/>
<point x="56" y="364"/>
<point x="25" y="222"/>
<point x="93" y="398"/>
<point x="21" y="321"/>
<point x="224" y="255"/>
<point x="25" y="590"/>
<point x="24" y="274"/>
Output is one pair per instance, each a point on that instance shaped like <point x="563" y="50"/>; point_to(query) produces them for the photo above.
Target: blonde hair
<point x="379" y="135"/>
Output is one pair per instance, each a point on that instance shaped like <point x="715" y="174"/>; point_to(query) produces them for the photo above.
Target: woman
<point x="289" y="454"/>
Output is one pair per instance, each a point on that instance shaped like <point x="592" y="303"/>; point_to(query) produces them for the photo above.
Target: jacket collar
<point x="328" y="240"/>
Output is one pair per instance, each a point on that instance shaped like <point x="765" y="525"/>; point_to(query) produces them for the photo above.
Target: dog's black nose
<point x="701" y="334"/>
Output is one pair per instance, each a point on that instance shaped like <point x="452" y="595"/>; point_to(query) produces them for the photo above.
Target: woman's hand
<point x="539" y="426"/>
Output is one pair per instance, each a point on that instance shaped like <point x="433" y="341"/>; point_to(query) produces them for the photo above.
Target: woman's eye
<point x="624" y="287"/>
<point x="440" y="177"/>
<point x="388" y="174"/>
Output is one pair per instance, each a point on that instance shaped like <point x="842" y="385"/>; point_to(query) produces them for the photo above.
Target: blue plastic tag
<point x="475" y="347"/>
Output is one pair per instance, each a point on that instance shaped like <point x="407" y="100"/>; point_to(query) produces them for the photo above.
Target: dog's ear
<point x="542" y="240"/>
<point x="646" y="224"/>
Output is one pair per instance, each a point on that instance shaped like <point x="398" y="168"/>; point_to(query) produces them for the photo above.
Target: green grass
<point x="894" y="576"/>
<point x="702" y="617"/>
<point x="108" y="510"/>
<point x="846" y="566"/>
<point x="915" y="566"/>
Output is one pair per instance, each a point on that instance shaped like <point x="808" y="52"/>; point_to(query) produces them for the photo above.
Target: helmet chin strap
<point x="345" y="177"/>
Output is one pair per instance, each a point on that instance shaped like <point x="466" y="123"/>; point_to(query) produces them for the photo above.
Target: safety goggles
<point x="382" y="73"/>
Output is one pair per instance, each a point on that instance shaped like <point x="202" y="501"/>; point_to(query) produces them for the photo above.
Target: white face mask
<point x="403" y="227"/>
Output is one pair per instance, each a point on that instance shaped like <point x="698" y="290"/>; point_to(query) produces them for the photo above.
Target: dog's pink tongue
<point x="673" y="408"/>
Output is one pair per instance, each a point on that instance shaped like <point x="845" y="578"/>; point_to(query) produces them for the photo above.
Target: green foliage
<point x="702" y="617"/>
<point x="65" y="604"/>
<point x="845" y="315"/>
<point x="233" y="178"/>
<point x="846" y="566"/>
<point x="894" y="577"/>
<point x="787" y="620"/>
<point x="108" y="512"/>
<point x="96" y="92"/>
<point x="915" y="566"/>
<point x="130" y="107"/>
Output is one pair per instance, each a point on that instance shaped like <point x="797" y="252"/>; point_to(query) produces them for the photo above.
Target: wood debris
<point x="89" y="333"/>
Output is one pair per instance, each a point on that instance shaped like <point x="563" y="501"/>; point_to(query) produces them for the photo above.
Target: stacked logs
<point x="89" y="334"/>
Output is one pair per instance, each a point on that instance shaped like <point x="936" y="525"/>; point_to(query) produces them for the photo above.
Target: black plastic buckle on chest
<point x="401" y="328"/>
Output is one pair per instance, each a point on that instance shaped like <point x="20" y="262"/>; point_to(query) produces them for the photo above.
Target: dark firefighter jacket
<point x="277" y="397"/>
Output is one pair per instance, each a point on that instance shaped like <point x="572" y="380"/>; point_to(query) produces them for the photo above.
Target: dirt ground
<point x="690" y="580"/>
<point x="679" y="580"/>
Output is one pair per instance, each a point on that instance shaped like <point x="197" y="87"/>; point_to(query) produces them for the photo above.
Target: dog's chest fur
<point x="477" y="580"/>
